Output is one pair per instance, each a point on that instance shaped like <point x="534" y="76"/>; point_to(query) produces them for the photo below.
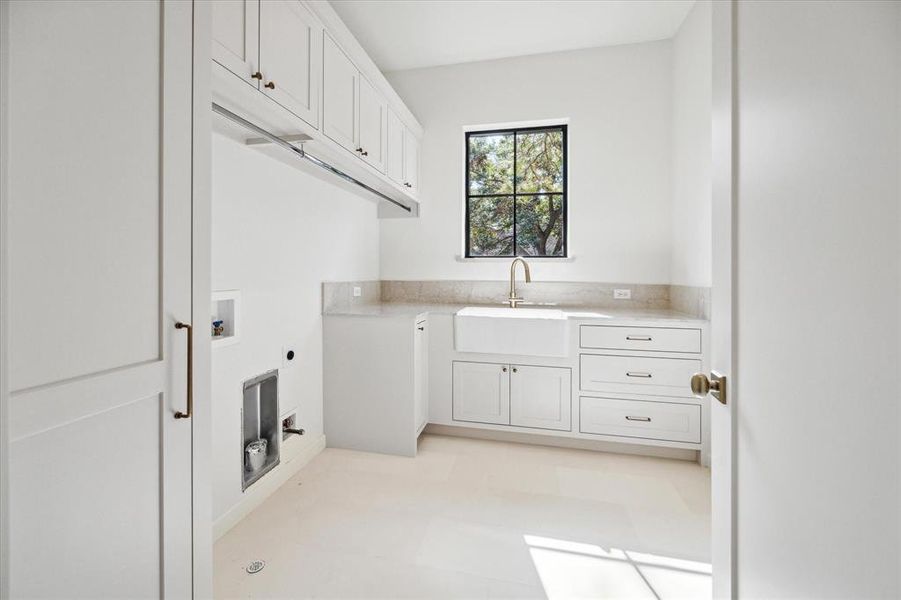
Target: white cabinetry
<point x="289" y="57"/>
<point x="403" y="154"/>
<point x="293" y="68"/>
<point x="482" y="392"/>
<point x="507" y="394"/>
<point x="421" y="374"/>
<point x="274" y="46"/>
<point x="236" y="37"/>
<point x="541" y="397"/>
<point x="354" y="114"/>
<point x="340" y="91"/>
<point x="375" y="382"/>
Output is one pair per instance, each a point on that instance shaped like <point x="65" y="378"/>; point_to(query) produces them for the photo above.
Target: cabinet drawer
<point x="598" y="371"/>
<point x="656" y="339"/>
<point x="639" y="419"/>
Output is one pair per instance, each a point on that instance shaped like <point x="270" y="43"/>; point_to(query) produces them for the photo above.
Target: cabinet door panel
<point x="373" y="125"/>
<point x="482" y="392"/>
<point x="411" y="161"/>
<point x="236" y="37"/>
<point x="289" y="57"/>
<point x="541" y="397"/>
<point x="395" y="157"/>
<point x="340" y="92"/>
<point x="421" y="374"/>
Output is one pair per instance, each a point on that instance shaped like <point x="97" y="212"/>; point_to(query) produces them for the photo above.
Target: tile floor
<point x="476" y="519"/>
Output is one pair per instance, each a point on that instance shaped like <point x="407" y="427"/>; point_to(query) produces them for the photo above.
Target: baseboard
<point x="296" y="452"/>
<point x="561" y="442"/>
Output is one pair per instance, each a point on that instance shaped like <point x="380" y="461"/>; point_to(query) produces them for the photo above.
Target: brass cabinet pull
<point x="257" y="75"/>
<point x="637" y="374"/>
<point x="270" y="85"/>
<point x="638" y="338"/>
<point x="645" y="419"/>
<point x="190" y="411"/>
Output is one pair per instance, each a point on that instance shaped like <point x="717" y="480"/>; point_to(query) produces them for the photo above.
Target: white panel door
<point x="373" y="125"/>
<point x="289" y="57"/>
<point x="411" y="161"/>
<point x="395" y="150"/>
<point x="481" y="392"/>
<point x="541" y="397"/>
<point x="100" y="271"/>
<point x="236" y="37"/>
<point x="340" y="93"/>
<point x="421" y="374"/>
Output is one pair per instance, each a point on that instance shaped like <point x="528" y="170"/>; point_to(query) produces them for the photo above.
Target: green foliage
<point x="539" y="226"/>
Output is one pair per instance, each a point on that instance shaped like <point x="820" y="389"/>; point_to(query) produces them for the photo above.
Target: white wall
<point x="277" y="234"/>
<point x="691" y="149"/>
<point x="818" y="299"/>
<point x="618" y="101"/>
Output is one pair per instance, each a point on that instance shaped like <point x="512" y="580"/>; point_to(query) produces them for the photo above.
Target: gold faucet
<point x="513" y="300"/>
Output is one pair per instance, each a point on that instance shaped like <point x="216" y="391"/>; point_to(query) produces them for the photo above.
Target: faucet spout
<point x="513" y="300"/>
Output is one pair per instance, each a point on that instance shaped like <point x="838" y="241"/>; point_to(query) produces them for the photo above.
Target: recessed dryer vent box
<point x="260" y="426"/>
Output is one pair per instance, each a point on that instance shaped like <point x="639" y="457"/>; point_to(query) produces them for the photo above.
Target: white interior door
<point x="722" y="421"/>
<point x="100" y="272"/>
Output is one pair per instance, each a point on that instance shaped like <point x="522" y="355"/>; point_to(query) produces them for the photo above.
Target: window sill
<point x="506" y="259"/>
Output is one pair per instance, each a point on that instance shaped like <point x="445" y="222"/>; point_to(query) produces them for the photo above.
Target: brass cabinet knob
<point x="514" y="370"/>
<point x="504" y="369"/>
<point x="363" y="152"/>
<point x="270" y="85"/>
<point x="257" y="75"/>
<point x="358" y="150"/>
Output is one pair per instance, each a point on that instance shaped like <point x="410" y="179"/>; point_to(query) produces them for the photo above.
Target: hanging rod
<point x="300" y="153"/>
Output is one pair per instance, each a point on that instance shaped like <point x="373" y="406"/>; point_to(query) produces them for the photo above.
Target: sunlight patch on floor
<point x="578" y="570"/>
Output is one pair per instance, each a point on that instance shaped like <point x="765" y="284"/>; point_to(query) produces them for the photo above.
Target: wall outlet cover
<point x="622" y="294"/>
<point x="358" y="291"/>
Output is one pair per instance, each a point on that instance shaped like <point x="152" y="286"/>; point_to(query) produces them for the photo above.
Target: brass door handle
<point x="715" y="385"/>
<point x="190" y="411"/>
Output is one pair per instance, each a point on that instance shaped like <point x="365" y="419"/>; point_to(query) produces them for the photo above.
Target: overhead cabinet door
<point x="289" y="57"/>
<point x="411" y="161"/>
<point x="395" y="156"/>
<point x="373" y="125"/>
<point x="236" y="41"/>
<point x="340" y="89"/>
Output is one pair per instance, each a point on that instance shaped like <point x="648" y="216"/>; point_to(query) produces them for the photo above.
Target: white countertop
<point x="398" y="309"/>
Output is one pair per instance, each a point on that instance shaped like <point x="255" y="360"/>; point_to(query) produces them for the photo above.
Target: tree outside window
<point x="516" y="192"/>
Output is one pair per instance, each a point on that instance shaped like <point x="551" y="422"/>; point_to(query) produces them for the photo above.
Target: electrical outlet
<point x="289" y="356"/>
<point x="358" y="291"/>
<point x="622" y="294"/>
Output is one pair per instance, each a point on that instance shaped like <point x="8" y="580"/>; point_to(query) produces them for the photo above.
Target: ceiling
<point x="408" y="34"/>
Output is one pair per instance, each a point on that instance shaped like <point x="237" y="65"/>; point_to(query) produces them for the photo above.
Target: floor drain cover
<point x="256" y="566"/>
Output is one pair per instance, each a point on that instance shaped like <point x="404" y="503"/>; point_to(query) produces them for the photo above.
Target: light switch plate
<point x="622" y="294"/>
<point x="358" y="291"/>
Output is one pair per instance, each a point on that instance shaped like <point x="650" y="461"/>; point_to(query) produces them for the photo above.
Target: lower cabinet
<point x="664" y="421"/>
<point x="421" y="374"/>
<point x="482" y="393"/>
<point x="520" y="395"/>
<point x="541" y="397"/>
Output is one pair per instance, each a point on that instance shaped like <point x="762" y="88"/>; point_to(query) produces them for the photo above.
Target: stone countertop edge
<point x="610" y="315"/>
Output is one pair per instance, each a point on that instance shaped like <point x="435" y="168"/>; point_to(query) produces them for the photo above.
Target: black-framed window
<point x="516" y="192"/>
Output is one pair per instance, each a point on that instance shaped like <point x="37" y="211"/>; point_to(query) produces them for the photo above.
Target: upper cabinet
<point x="340" y="90"/>
<point x="236" y="37"/>
<point x="274" y="46"/>
<point x="290" y="42"/>
<point x="373" y="125"/>
<point x="403" y="154"/>
<point x="300" y="63"/>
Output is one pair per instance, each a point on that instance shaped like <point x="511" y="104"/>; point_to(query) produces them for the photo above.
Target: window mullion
<point x="514" y="194"/>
